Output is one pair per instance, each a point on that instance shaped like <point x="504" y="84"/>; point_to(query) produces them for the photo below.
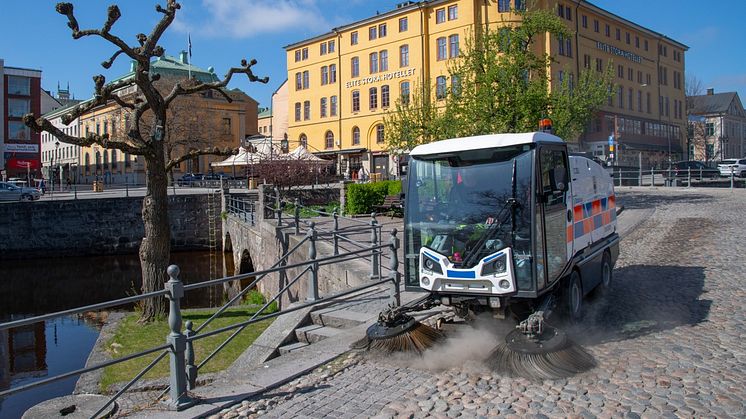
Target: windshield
<point x="457" y="205"/>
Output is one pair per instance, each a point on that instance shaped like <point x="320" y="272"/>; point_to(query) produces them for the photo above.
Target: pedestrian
<point x="69" y="184"/>
<point x="43" y="186"/>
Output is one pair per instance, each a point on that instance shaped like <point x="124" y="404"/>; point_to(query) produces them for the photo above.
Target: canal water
<point x="39" y="286"/>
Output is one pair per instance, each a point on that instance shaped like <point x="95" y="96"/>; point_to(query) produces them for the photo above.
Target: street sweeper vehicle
<point x="507" y="223"/>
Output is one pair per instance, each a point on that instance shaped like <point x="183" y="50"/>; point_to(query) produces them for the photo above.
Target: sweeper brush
<point x="396" y="331"/>
<point x="538" y="351"/>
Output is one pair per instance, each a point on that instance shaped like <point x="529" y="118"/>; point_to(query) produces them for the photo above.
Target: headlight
<point x="431" y="265"/>
<point x="495" y="266"/>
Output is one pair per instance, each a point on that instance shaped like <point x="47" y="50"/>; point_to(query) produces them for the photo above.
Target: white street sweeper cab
<point x="498" y="222"/>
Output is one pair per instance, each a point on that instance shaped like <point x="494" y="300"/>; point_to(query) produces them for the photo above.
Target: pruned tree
<point x="696" y="128"/>
<point x="156" y="244"/>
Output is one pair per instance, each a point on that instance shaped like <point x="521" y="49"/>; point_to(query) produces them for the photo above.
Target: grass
<point x="307" y="212"/>
<point x="131" y="337"/>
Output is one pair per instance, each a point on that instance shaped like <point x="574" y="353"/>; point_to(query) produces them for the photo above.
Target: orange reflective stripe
<point x="596" y="207"/>
<point x="578" y="213"/>
<point x="570" y="234"/>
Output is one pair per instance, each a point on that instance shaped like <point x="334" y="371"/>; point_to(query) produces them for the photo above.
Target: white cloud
<point x="248" y="18"/>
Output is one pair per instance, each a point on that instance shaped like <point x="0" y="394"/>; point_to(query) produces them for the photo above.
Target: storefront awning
<point x="353" y="150"/>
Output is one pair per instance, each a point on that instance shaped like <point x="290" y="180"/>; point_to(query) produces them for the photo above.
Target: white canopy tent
<point x="264" y="153"/>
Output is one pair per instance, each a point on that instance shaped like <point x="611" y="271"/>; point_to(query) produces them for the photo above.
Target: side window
<point x="553" y="162"/>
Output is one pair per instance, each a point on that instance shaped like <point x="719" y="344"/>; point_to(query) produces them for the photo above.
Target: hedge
<point x="361" y="197"/>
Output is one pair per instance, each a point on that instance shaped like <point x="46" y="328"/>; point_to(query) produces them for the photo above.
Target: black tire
<point x="573" y="298"/>
<point x="742" y="174"/>
<point x="27" y="198"/>
<point x="607" y="274"/>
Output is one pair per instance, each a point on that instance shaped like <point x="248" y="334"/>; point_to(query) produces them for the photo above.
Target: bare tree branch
<point x="150" y="47"/>
<point x="107" y="64"/>
<point x="213" y="151"/>
<point x="42" y="124"/>
<point x="179" y="89"/>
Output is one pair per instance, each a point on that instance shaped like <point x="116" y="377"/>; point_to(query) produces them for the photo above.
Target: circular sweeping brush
<point x="548" y="354"/>
<point x="396" y="331"/>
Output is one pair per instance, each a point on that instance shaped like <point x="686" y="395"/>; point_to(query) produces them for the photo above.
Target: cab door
<point x="552" y="191"/>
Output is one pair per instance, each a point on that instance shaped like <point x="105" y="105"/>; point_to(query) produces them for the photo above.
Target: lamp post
<point x="57" y="157"/>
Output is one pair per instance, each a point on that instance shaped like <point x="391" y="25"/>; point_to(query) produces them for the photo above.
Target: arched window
<point x="303" y="140"/>
<point x="329" y="140"/>
<point x="379" y="134"/>
<point x="355" y="136"/>
<point x="440" y="87"/>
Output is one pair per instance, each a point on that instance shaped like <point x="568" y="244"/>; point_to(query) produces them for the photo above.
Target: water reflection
<point x="40" y="286"/>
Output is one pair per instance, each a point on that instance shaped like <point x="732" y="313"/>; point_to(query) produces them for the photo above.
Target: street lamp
<point x="57" y="157"/>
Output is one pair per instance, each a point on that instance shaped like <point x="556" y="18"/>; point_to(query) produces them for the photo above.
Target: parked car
<point x="11" y="192"/>
<point x="738" y="166"/>
<point x="680" y="169"/>
<point x="190" y="178"/>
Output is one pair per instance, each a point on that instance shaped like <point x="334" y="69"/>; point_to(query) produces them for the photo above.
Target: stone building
<point x="720" y="132"/>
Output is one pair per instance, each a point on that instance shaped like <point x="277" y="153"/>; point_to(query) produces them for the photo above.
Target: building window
<point x="373" y="98"/>
<point x="440" y="15"/>
<point x="453" y="46"/>
<point x="381" y="30"/>
<point x="404" y="56"/>
<point x="646" y="44"/>
<point x="620" y="71"/>
<point x="355" y="101"/>
<point x="639" y="100"/>
<point x="384" y="60"/>
<point x="440" y="87"/>
<point x="441" y="54"/>
<point x="303" y="140"/>
<point x="87" y="164"/>
<point x="620" y="95"/>
<point x="667" y="107"/>
<point x="304" y="53"/>
<point x="404" y="90"/>
<point x="607" y="30"/>
<point x="306" y="79"/>
<point x="372" y="33"/>
<point x="355" y="66"/>
<point x="329" y="140"/>
<point x="561" y="44"/>
<point x="373" y="62"/>
<point x="113" y="159"/>
<point x="630" y="74"/>
<point x="298" y="81"/>
<point x="324" y="75"/>
<point x="647" y="79"/>
<point x="627" y="38"/>
<point x="18" y="85"/>
<point x="403" y="24"/>
<point x="306" y="110"/>
<point x="630" y="96"/>
<point x="647" y="102"/>
<point x="710" y="129"/>
<point x="637" y="42"/>
<point x="599" y="64"/>
<point x="353" y="38"/>
<point x="379" y="134"/>
<point x="355" y="136"/>
<point x="453" y="12"/>
<point x="561" y="10"/>
<point x="618" y="34"/>
<point x="226" y="126"/>
<point x="568" y="13"/>
<point x="297" y="56"/>
<point x="639" y="77"/>
<point x="333" y="106"/>
<point x="503" y="6"/>
<point x="322" y="48"/>
<point x="595" y="25"/>
<point x="455" y="85"/>
<point x="584" y="21"/>
<point x="322" y="111"/>
<point x="331" y="46"/>
<point x="18" y="107"/>
<point x="385" y="97"/>
<point x="568" y="45"/>
<point x="332" y="73"/>
<point x="586" y="61"/>
<point x="520" y="5"/>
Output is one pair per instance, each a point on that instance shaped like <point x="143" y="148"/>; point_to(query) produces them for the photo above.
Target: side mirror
<point x="559" y="179"/>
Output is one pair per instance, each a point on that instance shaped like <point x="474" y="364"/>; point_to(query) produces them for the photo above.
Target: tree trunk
<point x="156" y="245"/>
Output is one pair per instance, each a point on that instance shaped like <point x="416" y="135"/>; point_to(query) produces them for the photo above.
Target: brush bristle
<point x="565" y="362"/>
<point x="417" y="339"/>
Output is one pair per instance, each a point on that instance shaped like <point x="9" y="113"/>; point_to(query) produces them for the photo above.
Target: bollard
<point x="173" y="187"/>
<point x="395" y="297"/>
<point x="732" y="174"/>
<point x="689" y="177"/>
<point x="278" y="207"/>
<point x="700" y="174"/>
<point x="374" y="273"/>
<point x="191" y="369"/>
<point x="75" y="189"/>
<point x="639" y="176"/>
<point x="652" y="177"/>
<point x="313" y="286"/>
<point x="177" y="373"/>
<point x="126" y="189"/>
<point x="335" y="238"/>
<point x="620" y="177"/>
<point x="297" y="216"/>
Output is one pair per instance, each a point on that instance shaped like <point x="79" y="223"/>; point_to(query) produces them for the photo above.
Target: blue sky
<point x="33" y="35"/>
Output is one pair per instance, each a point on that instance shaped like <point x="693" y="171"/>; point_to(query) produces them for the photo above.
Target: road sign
<point x="611" y="148"/>
<point x="611" y="140"/>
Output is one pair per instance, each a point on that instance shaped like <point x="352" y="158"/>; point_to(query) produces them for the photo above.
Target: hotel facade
<point x="342" y="83"/>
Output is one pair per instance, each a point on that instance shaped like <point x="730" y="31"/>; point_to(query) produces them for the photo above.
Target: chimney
<point x="710" y="91"/>
<point x="183" y="57"/>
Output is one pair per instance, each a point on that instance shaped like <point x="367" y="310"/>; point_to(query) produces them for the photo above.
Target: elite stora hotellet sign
<point x="380" y="77"/>
<point x="617" y="51"/>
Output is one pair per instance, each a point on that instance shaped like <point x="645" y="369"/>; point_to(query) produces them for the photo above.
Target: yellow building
<point x="342" y="82"/>
<point x="195" y="122"/>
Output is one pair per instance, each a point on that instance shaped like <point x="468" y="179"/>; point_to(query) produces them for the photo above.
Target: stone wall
<point x="97" y="226"/>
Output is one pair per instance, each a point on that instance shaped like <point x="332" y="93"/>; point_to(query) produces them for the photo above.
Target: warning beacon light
<point x="545" y="125"/>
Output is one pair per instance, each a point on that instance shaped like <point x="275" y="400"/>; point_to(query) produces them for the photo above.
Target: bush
<point x="361" y="197"/>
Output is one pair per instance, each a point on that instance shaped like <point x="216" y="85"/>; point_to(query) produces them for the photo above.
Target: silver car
<point x="737" y="166"/>
<point x="11" y="192"/>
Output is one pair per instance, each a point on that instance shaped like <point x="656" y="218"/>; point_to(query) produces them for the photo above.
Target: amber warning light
<point x="545" y="125"/>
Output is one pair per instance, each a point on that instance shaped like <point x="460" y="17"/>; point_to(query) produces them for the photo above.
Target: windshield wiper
<point x="512" y="204"/>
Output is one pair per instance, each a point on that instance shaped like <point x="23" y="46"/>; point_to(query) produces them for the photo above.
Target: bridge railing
<point x="242" y="206"/>
<point x="702" y="177"/>
<point x="183" y="369"/>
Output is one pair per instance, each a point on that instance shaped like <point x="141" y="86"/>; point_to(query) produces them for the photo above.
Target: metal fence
<point x="242" y="206"/>
<point x="676" y="178"/>
<point x="183" y="369"/>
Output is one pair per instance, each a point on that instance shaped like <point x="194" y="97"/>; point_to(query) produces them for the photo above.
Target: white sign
<point x="380" y="77"/>
<point x="617" y="51"/>
<point x="21" y="148"/>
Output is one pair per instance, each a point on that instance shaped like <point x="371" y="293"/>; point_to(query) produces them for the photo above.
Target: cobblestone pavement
<point x="668" y="339"/>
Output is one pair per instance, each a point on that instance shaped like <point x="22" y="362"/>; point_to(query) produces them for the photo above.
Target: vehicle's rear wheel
<point x="606" y="274"/>
<point x="27" y="198"/>
<point x="573" y="298"/>
<point x="742" y="174"/>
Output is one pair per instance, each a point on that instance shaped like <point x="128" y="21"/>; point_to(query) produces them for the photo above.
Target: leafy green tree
<point x="415" y="120"/>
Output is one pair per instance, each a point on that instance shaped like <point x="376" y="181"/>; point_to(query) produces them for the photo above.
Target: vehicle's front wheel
<point x="573" y="298"/>
<point x="27" y="198"/>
